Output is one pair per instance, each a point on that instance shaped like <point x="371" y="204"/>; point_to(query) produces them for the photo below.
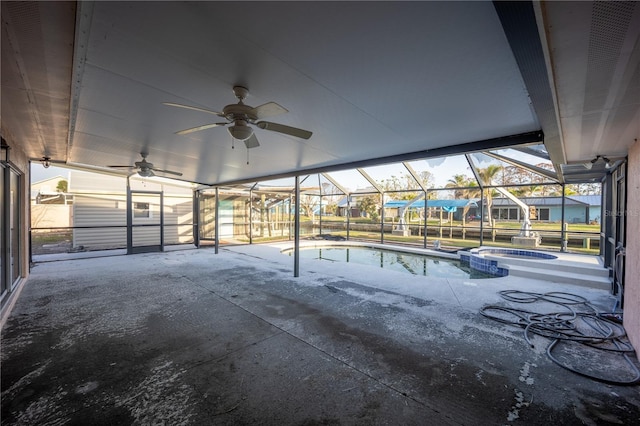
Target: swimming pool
<point x="415" y="264"/>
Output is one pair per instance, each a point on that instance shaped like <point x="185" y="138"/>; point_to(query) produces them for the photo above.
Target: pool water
<point x="415" y="264"/>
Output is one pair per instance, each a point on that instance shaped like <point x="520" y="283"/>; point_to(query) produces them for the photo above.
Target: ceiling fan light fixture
<point x="46" y="162"/>
<point x="240" y="131"/>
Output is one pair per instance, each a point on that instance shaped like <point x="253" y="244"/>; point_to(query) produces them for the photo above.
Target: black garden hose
<point x="579" y="322"/>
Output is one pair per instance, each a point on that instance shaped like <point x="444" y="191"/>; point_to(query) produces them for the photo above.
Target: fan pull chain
<point x="247" y="156"/>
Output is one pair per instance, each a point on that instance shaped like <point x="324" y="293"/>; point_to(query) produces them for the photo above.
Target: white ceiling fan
<point x="145" y="168"/>
<point x="242" y="117"/>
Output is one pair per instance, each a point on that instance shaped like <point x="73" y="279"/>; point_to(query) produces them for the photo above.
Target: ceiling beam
<point x="530" y="167"/>
<point x="520" y="26"/>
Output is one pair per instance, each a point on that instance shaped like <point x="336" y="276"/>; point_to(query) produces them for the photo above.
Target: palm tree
<point x="486" y="176"/>
<point x="457" y="182"/>
<point x="462" y="191"/>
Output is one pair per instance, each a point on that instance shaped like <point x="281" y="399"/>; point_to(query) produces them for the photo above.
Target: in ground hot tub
<point x="483" y="259"/>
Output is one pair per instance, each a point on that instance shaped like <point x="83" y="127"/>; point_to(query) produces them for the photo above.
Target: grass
<point x="38" y="238"/>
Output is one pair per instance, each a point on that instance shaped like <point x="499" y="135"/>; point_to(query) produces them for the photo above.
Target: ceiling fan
<point x="145" y="168"/>
<point x="242" y="117"/>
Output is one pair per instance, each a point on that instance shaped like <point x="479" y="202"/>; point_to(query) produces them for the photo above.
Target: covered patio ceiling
<point x="84" y="83"/>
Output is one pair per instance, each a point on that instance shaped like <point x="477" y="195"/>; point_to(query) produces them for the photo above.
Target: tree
<point x="308" y="203"/>
<point x="464" y="188"/>
<point x="62" y="186"/>
<point x="369" y="205"/>
<point x="331" y="208"/>
<point x="426" y="178"/>
<point x="586" y="188"/>
<point x="405" y="185"/>
<point x="486" y="175"/>
<point x="459" y="183"/>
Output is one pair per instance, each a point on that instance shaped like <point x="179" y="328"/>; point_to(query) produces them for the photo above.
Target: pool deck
<point x="191" y="337"/>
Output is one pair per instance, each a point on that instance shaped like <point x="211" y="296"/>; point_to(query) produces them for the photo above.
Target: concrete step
<point x="556" y="265"/>
<point x="538" y="273"/>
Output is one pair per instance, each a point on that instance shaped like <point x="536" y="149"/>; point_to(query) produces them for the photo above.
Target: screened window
<point x="543" y="213"/>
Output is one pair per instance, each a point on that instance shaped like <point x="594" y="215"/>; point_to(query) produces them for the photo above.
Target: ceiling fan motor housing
<point x="145" y="172"/>
<point x="239" y="111"/>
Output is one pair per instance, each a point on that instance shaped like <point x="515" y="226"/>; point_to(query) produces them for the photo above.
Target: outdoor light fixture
<point x="240" y="130"/>
<point x="46" y="162"/>
<point x="5" y="152"/>
<point x="607" y="162"/>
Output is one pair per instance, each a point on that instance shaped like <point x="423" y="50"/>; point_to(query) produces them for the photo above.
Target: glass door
<point x="3" y="228"/>
<point x="14" y="227"/>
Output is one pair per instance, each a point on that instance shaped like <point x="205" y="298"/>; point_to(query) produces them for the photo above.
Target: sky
<point x="39" y="173"/>
<point x="442" y="169"/>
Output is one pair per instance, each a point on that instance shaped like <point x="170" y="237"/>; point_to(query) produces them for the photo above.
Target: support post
<point x="129" y="219"/>
<point x="424" y="243"/>
<point x="251" y="216"/>
<point x="348" y="214"/>
<point x="382" y="218"/>
<point x="320" y="203"/>
<point x="563" y="239"/>
<point x="217" y="222"/>
<point x="481" y="216"/>
<point x="196" y="218"/>
<point x="296" y="249"/>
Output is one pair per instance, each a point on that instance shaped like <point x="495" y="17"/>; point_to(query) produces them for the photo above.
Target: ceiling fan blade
<point x="287" y="130"/>
<point x="197" y="129"/>
<point x="269" y="110"/>
<point x="252" y="142"/>
<point x="168" y="172"/>
<point x="122" y="167"/>
<point x="219" y="114"/>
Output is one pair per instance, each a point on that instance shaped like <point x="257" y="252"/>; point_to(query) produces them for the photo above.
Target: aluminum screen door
<point x="145" y="222"/>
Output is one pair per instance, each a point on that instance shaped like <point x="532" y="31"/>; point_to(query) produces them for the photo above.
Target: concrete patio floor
<point x="194" y="338"/>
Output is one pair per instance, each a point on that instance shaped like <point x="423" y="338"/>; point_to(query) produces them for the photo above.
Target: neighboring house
<point x="46" y="192"/>
<point x="100" y="211"/>
<point x="577" y="208"/>
<point x="346" y="203"/>
<point x="96" y="210"/>
<point x="595" y="206"/>
<point x="50" y="209"/>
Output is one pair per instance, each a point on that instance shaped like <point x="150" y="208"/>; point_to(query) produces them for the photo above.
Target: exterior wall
<point x="178" y="219"/>
<point x="102" y="213"/>
<point x="572" y="214"/>
<point x="47" y="186"/>
<point x="50" y="216"/>
<point x="100" y="203"/>
<point x="632" y="260"/>
<point x="106" y="214"/>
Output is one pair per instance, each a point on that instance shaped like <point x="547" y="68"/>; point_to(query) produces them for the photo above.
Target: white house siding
<point x="178" y="219"/>
<point x="106" y="214"/>
<point x="100" y="212"/>
<point x="100" y="202"/>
